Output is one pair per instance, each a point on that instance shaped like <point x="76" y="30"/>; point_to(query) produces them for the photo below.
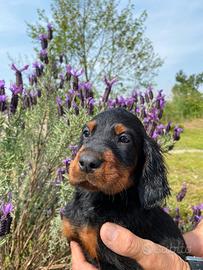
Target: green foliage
<point x="103" y="38"/>
<point x="33" y="144"/>
<point x="187" y="100"/>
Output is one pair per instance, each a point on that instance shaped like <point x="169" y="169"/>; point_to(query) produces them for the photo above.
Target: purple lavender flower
<point x="151" y="129"/>
<point x="160" y="129"/>
<point x="129" y="102"/>
<point x="2" y="84"/>
<point x="160" y="100"/>
<point x="111" y="103"/>
<point x="74" y="150"/>
<point x="177" y="217"/>
<point x="44" y="56"/>
<point x="137" y="110"/>
<point x="50" y="31"/>
<point x="32" y="79"/>
<point x="2" y="98"/>
<point x="75" y="107"/>
<point x="26" y="101"/>
<point x="143" y="113"/>
<point x="60" y="177"/>
<point x="44" y="41"/>
<point x="3" y="103"/>
<point x="60" y="106"/>
<point x="68" y="72"/>
<point x="154" y="115"/>
<point x="18" y="73"/>
<point x="120" y="101"/>
<point x="6" y="209"/>
<point x="168" y="127"/>
<point x="109" y="83"/>
<point x="67" y="162"/>
<point x="180" y="196"/>
<point x="155" y="135"/>
<point x="39" y="93"/>
<point x="86" y="88"/>
<point x="142" y="101"/>
<point x="197" y="214"/>
<point x="68" y="101"/>
<point x="166" y="210"/>
<point x="2" y="87"/>
<point x="5" y="218"/>
<point x="91" y="103"/>
<point x="39" y="67"/>
<point x="15" y="89"/>
<point x="176" y="133"/>
<point x="147" y="97"/>
<point x="71" y="93"/>
<point x="135" y="95"/>
<point x="76" y="74"/>
<point x="150" y="93"/>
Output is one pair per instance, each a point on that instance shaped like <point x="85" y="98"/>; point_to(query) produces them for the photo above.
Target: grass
<point x="187" y="167"/>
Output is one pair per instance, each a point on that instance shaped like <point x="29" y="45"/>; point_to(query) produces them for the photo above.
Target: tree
<point x="187" y="99"/>
<point x="103" y="38"/>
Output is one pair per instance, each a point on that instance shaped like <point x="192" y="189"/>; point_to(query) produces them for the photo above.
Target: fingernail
<point x="109" y="232"/>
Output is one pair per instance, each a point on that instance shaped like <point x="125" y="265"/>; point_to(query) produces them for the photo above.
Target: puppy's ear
<point x="153" y="186"/>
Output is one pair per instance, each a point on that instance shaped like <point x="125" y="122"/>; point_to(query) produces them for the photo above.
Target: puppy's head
<point x="115" y="154"/>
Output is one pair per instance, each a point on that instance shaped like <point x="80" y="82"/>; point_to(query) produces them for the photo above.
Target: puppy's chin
<point x="94" y="184"/>
<point x="84" y="184"/>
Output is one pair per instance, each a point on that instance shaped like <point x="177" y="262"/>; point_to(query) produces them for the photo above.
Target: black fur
<point x="136" y="208"/>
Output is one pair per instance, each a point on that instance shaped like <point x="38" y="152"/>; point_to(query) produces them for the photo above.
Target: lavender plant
<point x="185" y="221"/>
<point x="40" y="124"/>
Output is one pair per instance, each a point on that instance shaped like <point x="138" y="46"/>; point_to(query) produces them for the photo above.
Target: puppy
<point x="119" y="176"/>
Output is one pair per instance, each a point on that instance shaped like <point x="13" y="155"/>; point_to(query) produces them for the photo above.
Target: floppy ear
<point x="153" y="186"/>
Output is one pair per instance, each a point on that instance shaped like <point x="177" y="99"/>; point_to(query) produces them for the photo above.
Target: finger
<point x="78" y="259"/>
<point x="148" y="254"/>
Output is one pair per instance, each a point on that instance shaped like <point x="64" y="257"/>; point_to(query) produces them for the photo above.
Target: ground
<point x="185" y="164"/>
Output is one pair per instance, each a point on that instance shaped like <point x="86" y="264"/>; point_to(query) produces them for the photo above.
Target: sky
<point x="175" y="28"/>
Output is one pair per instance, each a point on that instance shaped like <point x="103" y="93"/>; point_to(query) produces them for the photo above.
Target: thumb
<point x="122" y="241"/>
<point x="149" y="255"/>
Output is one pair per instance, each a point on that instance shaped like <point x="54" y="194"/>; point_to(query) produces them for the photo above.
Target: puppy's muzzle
<point x="89" y="162"/>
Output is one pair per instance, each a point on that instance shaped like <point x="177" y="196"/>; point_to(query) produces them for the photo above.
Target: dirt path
<point x="181" y="151"/>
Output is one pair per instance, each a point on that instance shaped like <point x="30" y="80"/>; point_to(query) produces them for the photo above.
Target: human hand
<point x="194" y="240"/>
<point x="78" y="259"/>
<point x="149" y="255"/>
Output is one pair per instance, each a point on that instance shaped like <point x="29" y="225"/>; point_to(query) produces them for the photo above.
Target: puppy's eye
<point x="124" y="138"/>
<point x="86" y="133"/>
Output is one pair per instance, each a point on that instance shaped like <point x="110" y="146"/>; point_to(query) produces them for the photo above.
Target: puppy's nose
<point x="89" y="162"/>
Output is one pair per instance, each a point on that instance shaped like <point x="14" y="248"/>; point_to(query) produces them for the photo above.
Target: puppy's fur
<point x="119" y="176"/>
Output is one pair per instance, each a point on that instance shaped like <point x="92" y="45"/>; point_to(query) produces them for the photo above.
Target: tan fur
<point x="67" y="229"/>
<point x="91" y="125"/>
<point x="119" y="128"/>
<point x="88" y="238"/>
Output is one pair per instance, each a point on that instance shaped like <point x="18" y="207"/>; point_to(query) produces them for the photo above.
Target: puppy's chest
<point x="82" y="223"/>
<point x="86" y="235"/>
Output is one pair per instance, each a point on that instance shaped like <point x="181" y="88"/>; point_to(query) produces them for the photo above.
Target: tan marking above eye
<point x="91" y="125"/>
<point x="119" y="128"/>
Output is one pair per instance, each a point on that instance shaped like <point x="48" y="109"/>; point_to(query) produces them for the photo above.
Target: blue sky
<point x="175" y="27"/>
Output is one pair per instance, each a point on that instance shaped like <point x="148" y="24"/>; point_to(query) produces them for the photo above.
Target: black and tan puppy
<point x="119" y="176"/>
